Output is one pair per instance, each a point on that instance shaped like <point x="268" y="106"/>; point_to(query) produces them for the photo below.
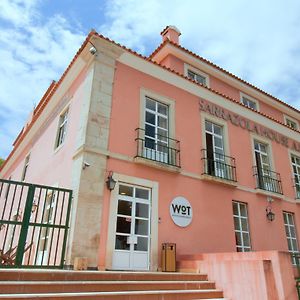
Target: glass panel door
<point x="215" y="149"/>
<point x="156" y="130"/>
<point x="263" y="166"/>
<point x="132" y="229"/>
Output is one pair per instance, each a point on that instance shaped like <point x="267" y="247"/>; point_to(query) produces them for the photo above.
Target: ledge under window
<point x="157" y="164"/>
<point x="219" y="180"/>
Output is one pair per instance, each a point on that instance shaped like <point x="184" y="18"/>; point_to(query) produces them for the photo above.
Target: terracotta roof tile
<point x="220" y="69"/>
<point x="52" y="89"/>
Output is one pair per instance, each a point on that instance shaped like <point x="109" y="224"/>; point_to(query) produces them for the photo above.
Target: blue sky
<point x="257" y="40"/>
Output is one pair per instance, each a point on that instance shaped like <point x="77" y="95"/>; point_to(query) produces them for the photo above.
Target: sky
<point x="259" y="41"/>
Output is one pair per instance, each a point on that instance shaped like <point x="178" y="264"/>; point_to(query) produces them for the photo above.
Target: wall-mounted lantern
<point x="110" y="182"/>
<point x="269" y="213"/>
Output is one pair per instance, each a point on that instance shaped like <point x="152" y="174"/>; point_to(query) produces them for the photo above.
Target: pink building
<point x="200" y="157"/>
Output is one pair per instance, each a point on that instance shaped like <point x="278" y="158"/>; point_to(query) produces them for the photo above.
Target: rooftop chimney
<point x="171" y="33"/>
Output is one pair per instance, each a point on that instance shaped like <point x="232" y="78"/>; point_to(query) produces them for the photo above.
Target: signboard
<point x="246" y="124"/>
<point x="181" y="211"/>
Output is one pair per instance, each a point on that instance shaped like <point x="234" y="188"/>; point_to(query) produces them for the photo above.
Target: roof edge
<point x="222" y="70"/>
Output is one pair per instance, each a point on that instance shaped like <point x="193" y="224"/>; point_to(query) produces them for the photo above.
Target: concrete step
<point x="67" y="275"/>
<point x="124" y="295"/>
<point x="16" y="287"/>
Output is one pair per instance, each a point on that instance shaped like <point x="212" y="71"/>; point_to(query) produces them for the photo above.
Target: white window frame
<point x="207" y="117"/>
<point x="296" y="174"/>
<point x="292" y="120"/>
<point x="197" y="72"/>
<point x="110" y="245"/>
<point x="62" y="127"/>
<point x="219" y="169"/>
<point x="25" y="168"/>
<point x="240" y="231"/>
<point x="145" y="93"/>
<point x="268" y="153"/>
<point x="249" y="98"/>
<point x="157" y="139"/>
<point x="291" y="232"/>
<point x="48" y="217"/>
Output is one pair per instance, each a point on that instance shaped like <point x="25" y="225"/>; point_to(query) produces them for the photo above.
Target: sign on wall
<point x="181" y="211"/>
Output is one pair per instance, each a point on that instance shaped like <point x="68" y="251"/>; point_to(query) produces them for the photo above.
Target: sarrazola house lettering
<point x="249" y="125"/>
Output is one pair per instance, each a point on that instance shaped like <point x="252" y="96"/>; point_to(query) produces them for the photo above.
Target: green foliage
<point x="1" y="161"/>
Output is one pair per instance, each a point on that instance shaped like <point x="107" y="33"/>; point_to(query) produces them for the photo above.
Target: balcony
<point x="267" y="180"/>
<point x="158" y="148"/>
<point x="219" y="165"/>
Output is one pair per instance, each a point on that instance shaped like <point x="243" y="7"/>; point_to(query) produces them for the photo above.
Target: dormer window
<point x="291" y="123"/>
<point x="197" y="77"/>
<point x="249" y="102"/>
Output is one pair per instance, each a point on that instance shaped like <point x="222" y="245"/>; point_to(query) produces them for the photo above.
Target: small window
<point x="291" y="234"/>
<point x="197" y="77"/>
<point x="296" y="173"/>
<point x="249" y="103"/>
<point x="241" y="227"/>
<point x="62" y="129"/>
<point x="291" y="123"/>
<point x="25" y="168"/>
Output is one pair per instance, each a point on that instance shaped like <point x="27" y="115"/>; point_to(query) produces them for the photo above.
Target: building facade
<point x="198" y="156"/>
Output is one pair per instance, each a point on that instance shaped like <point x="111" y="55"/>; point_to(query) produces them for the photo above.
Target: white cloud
<point x="33" y="51"/>
<point x="256" y="40"/>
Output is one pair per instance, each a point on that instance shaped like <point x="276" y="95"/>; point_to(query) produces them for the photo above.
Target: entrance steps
<point x="109" y="285"/>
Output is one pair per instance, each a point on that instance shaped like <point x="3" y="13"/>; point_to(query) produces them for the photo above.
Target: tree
<point x="1" y="161"/>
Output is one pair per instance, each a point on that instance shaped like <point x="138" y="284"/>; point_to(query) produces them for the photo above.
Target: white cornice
<point x="211" y="70"/>
<point x="173" y="79"/>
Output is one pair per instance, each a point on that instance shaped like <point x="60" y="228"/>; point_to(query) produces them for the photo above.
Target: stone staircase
<point x="64" y="285"/>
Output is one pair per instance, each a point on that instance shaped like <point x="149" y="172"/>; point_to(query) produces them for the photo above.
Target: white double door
<point x="132" y="229"/>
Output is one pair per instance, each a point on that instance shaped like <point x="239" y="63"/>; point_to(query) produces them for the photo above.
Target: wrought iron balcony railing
<point x="158" y="148"/>
<point x="219" y="165"/>
<point x="267" y="180"/>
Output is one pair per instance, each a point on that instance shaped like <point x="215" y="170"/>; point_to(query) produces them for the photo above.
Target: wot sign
<point x="181" y="211"/>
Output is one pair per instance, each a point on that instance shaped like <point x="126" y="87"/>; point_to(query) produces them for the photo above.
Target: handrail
<point x="267" y="180"/>
<point x="158" y="148"/>
<point x="219" y="165"/>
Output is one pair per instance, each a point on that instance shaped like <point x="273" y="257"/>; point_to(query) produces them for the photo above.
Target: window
<point x="156" y="130"/>
<point x="48" y="218"/>
<point x="214" y="149"/>
<point x="197" y="77"/>
<point x="296" y="173"/>
<point x="25" y="168"/>
<point x="62" y="129"/>
<point x="290" y="231"/>
<point x="241" y="227"/>
<point x="262" y="157"/>
<point x="266" y="179"/>
<point x="292" y="124"/>
<point x="249" y="103"/>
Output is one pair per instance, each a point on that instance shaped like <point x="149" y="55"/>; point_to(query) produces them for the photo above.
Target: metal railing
<point x="159" y="148"/>
<point x="267" y="180"/>
<point x="219" y="165"/>
<point x="33" y="224"/>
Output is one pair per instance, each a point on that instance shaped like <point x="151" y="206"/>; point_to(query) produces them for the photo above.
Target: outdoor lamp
<point x="110" y="182"/>
<point x="269" y="214"/>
